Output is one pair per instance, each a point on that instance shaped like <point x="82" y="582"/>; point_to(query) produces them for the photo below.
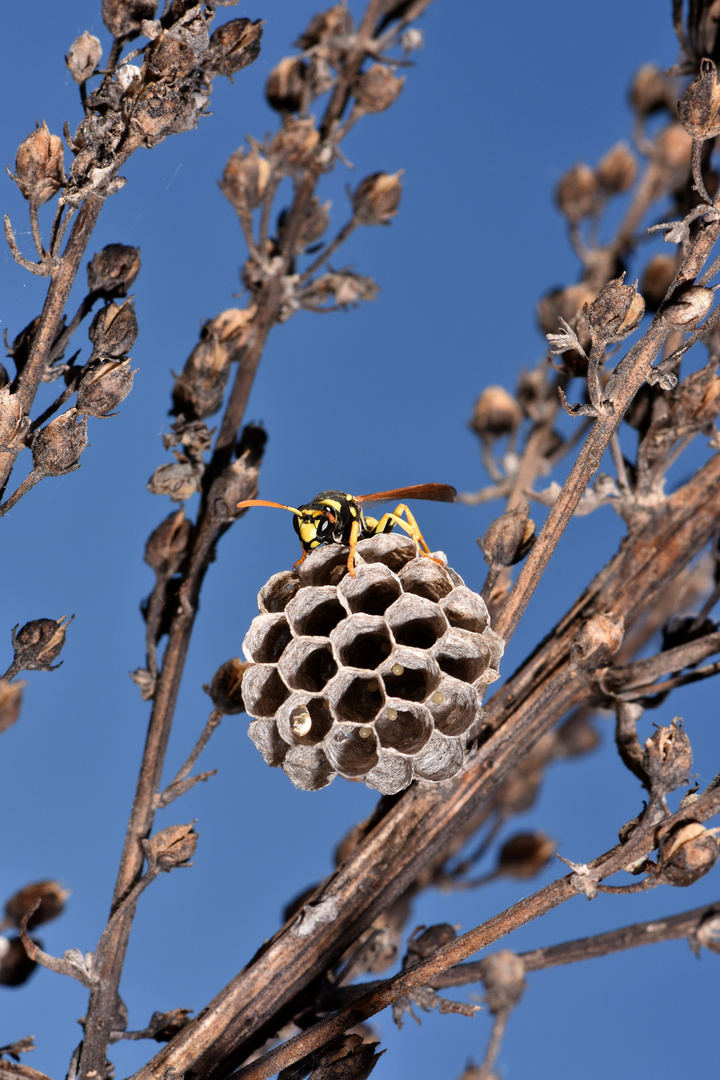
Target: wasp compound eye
<point x="376" y="676"/>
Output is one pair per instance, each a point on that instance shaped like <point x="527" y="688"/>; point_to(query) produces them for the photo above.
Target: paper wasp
<point x="335" y="517"/>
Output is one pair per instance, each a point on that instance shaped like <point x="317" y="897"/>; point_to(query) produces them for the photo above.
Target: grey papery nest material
<point x="378" y="677"/>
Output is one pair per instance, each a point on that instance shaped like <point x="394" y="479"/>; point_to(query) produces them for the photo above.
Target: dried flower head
<point x="525" y="854"/>
<point x="657" y="278"/>
<point x="509" y="538"/>
<point x="285" y="87"/>
<point x="294" y="144"/>
<point x="112" y="271"/>
<point x="199" y="389"/>
<point x="576" y="193"/>
<point x="597" y="640"/>
<point x="245" y="179"/>
<point x="615" y="312"/>
<point x="376" y="199"/>
<point x="16" y="967"/>
<point x="48" y="895"/>
<point x="496" y="413"/>
<point x="699" y="107"/>
<point x="167" y="545"/>
<point x="376" y="89"/>
<point x="178" y="479"/>
<point x="10" y="703"/>
<point x="38" y="643"/>
<point x="503" y="976"/>
<point x="689" y="306"/>
<point x="123" y="18"/>
<point x="83" y="56"/>
<point x="57" y="447"/>
<point x="171" y="847"/>
<point x="667" y="758"/>
<point x="14" y="422"/>
<point x="234" y="46"/>
<point x="225" y="689"/>
<point x="103" y="386"/>
<point x="114" y="330"/>
<point x="39" y="171"/>
<point x="687" y="853"/>
<point x="616" y="171"/>
<point x="651" y="91"/>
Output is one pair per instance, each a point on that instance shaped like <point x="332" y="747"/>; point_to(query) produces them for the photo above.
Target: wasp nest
<point x="378" y="676"/>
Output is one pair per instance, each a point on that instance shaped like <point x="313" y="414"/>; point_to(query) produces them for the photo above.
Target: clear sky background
<point x="502" y="100"/>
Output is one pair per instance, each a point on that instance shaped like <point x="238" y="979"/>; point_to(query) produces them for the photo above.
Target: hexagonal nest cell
<point x="378" y="677"/>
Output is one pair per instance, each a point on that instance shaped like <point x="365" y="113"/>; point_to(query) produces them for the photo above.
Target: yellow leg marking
<point x="354" y="530"/>
<point x="410" y="527"/>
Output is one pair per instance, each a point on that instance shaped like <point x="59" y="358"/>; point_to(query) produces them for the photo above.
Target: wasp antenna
<point x="264" y="502"/>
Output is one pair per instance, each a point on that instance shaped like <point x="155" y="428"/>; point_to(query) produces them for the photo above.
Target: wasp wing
<point x="430" y="492"/>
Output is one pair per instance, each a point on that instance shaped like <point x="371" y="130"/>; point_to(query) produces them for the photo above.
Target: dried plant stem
<point x="526" y="910"/>
<point x="423" y="820"/>
<point x="61" y="282"/>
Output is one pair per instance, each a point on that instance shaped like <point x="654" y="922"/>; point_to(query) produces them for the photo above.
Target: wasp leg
<point x="354" y="531"/>
<point x="302" y="559"/>
<point x="410" y="527"/>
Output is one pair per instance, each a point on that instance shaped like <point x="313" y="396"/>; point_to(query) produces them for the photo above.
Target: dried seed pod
<point x="657" y="278"/>
<point x="699" y="107"/>
<point x="168" y="544"/>
<point x="378" y="676"/>
<point x="597" y="640"/>
<point x="616" y="311"/>
<point x="567" y="304"/>
<point x="16" y="967"/>
<point x="178" y="479"/>
<point x="13" y="421"/>
<point x="667" y="758"/>
<point x="199" y="389"/>
<point x="225" y="689"/>
<point x="112" y="271"/>
<point x="616" y="170"/>
<point x="123" y="18"/>
<point x="10" y="703"/>
<point x="313" y="226"/>
<point x="103" y="386"/>
<point x="687" y="853"/>
<point x="688" y="307"/>
<point x="49" y="895"/>
<point x="376" y="199"/>
<point x="376" y="89"/>
<point x="496" y="413"/>
<point x="327" y="28"/>
<point x="673" y="149"/>
<point x="38" y="643"/>
<point x="171" y="847"/>
<point x="576" y="192"/>
<point x="83" y="56"/>
<point x="509" y="538"/>
<point x="39" y="171"/>
<point x="525" y="854"/>
<point x="114" y="330"/>
<point x="233" y="46"/>
<point x="651" y="91"/>
<point x="503" y="976"/>
<point x="295" y="144"/>
<point x="285" y="86"/>
<point x="57" y="447"/>
<point x="245" y="179"/>
<point x="345" y="288"/>
<point x="164" y="1026"/>
<point x="424" y="944"/>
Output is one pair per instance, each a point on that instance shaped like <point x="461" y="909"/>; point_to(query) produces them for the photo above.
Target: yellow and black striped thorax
<point x="329" y="518"/>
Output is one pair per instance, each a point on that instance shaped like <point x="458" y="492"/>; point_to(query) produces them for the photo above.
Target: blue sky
<point x="502" y="100"/>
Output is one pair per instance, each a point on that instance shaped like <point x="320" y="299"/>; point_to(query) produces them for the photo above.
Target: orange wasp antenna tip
<point x="264" y="502"/>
